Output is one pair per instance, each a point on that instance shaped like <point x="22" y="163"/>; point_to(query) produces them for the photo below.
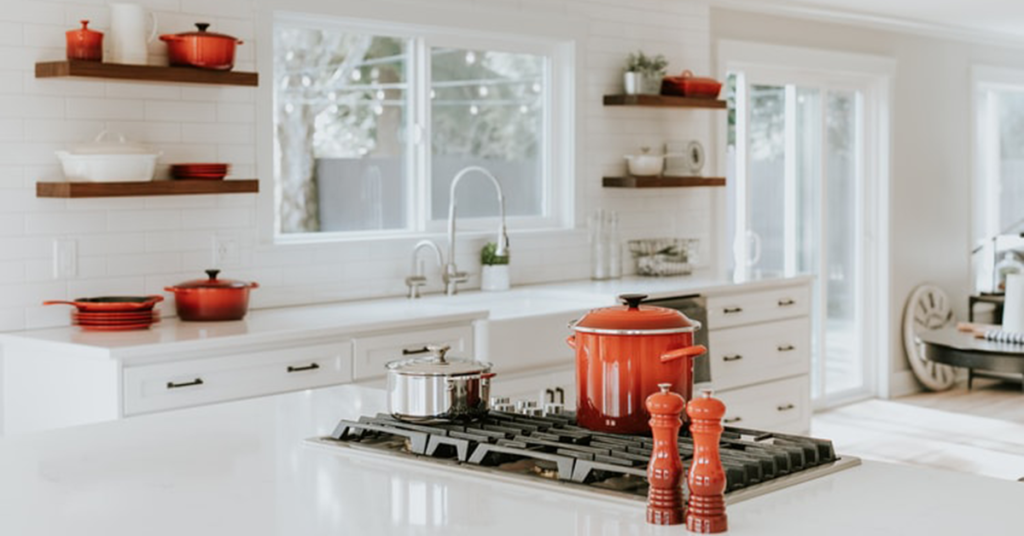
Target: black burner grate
<point x="554" y="447"/>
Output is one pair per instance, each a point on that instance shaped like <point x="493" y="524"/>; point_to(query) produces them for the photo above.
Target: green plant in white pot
<point x="494" y="275"/>
<point x="644" y="73"/>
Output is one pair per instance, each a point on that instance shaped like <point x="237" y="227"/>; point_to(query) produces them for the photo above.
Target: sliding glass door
<point x="799" y="206"/>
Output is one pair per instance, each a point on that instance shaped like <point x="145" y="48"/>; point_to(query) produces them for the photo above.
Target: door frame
<point x="873" y="76"/>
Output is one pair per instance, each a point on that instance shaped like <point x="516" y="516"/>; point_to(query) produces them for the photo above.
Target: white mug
<point x="128" y="39"/>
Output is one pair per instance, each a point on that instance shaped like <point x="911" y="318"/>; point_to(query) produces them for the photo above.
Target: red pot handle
<point x="690" y="351"/>
<point x="254" y="285"/>
<point x="488" y="375"/>
<point x="571" y="341"/>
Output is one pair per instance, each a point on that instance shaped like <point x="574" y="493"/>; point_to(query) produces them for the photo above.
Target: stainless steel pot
<point x="438" y="388"/>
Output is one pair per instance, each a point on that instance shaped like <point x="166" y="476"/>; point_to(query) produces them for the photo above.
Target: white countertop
<point x="244" y="468"/>
<point x="310" y="322"/>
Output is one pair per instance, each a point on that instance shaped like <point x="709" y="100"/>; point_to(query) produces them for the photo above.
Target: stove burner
<point x="552" y="447"/>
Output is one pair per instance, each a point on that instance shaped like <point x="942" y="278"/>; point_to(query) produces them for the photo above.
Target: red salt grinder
<point x="665" y="470"/>
<point x="705" y="512"/>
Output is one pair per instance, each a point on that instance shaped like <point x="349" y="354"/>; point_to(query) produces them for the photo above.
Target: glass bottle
<point x="598" y="246"/>
<point x="614" y="247"/>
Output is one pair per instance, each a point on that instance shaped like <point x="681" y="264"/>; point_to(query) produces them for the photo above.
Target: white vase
<point x="632" y="82"/>
<point x="494" y="277"/>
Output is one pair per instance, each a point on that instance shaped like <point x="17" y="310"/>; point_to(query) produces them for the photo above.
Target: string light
<point x="357" y="75"/>
<point x="374" y="74"/>
<point x="470" y="57"/>
<point x="523" y="109"/>
<point x="378" y="109"/>
<point x="474" y="109"/>
<point x="483" y="91"/>
<point x="433" y="94"/>
<point x="307" y="81"/>
<point x="536" y="87"/>
<point x="380" y="94"/>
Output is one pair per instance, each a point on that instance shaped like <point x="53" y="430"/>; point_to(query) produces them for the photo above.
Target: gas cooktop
<point x="551" y="450"/>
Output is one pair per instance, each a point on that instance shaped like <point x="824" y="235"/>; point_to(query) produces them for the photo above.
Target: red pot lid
<point x="213" y="282"/>
<point x="635" y="319"/>
<point x="202" y="26"/>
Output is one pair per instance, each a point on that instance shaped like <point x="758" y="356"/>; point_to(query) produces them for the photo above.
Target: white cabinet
<point x="179" y="384"/>
<point x="541" y="386"/>
<point x="373" y="352"/>
<point x="760" y="351"/>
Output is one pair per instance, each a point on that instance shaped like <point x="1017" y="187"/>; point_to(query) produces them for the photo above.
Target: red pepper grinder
<point x="706" y="510"/>
<point x="665" y="470"/>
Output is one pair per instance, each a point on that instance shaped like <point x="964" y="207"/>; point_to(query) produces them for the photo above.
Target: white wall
<point x="930" y="190"/>
<point x="139" y="245"/>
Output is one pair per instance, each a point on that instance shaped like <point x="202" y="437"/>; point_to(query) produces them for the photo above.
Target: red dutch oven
<point x="212" y="299"/>
<point x="622" y="354"/>
<point x="203" y="49"/>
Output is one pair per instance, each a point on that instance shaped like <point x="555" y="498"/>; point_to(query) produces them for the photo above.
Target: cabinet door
<point x="372" y="353"/>
<point x="779" y="406"/>
<point x="538" y="386"/>
<point x="760" y="352"/>
<point x="163" y="386"/>
<point x="752" y="307"/>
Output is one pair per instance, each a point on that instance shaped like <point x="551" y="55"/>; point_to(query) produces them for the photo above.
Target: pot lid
<point x="201" y="31"/>
<point x="212" y="282"/>
<point x="103" y="144"/>
<point x="635" y="319"/>
<point x="438" y="365"/>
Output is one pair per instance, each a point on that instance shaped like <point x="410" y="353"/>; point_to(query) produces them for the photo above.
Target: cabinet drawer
<point x="752" y="307"/>
<point x="372" y="353"/>
<point x="535" y="386"/>
<point x="781" y="405"/>
<point x="760" y="352"/>
<point x="196" y="382"/>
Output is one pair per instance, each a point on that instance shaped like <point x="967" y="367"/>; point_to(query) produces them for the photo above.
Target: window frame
<point x="557" y="152"/>
<point x="985" y="220"/>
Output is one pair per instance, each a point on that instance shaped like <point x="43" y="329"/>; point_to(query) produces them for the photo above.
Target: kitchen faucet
<point x="452" y="276"/>
<point x="417" y="279"/>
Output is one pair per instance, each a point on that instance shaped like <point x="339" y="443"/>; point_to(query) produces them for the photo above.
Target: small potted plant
<point x="495" y="269"/>
<point x="644" y="73"/>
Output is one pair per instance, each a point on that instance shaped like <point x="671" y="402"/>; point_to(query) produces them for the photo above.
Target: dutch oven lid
<point x="438" y="365"/>
<point x="201" y="31"/>
<point x="635" y="319"/>
<point x="213" y="282"/>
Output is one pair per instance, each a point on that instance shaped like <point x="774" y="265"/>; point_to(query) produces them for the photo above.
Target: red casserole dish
<point x="203" y="49"/>
<point x="687" y="85"/>
<point x="212" y="299"/>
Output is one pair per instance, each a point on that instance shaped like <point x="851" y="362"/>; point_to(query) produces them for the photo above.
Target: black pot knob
<point x="633" y="300"/>
<point x="212" y="273"/>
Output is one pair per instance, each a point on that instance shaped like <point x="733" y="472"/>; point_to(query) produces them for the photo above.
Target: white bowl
<point x="645" y="165"/>
<point x="108" y="167"/>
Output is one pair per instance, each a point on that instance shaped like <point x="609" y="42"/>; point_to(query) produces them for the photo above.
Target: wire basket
<point x="664" y="256"/>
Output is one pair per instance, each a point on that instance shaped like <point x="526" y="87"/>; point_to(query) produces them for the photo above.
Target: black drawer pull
<point x="732" y="310"/>
<point x="736" y="357"/>
<point x="172" y="385"/>
<point x="414" y="351"/>
<point x="561" y="395"/>
<point x="731" y="420"/>
<point x="786" y="407"/>
<point x="311" y="366"/>
<point x="786" y="302"/>
<point x="786" y="348"/>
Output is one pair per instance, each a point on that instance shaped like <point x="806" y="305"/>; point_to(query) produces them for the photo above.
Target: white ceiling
<point x="981" y="17"/>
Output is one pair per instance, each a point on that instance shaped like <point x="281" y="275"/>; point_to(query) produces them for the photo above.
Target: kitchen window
<point x="372" y="122"/>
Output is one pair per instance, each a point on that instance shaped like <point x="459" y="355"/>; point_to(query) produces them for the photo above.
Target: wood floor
<point x="981" y="431"/>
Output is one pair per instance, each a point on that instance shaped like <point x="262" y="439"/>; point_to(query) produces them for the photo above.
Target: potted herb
<point x="644" y="73"/>
<point x="494" y="275"/>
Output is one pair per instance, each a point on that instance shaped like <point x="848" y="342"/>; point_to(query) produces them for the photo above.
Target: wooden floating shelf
<point x="664" y="101"/>
<point x="150" y="73"/>
<point x="662" y="182"/>
<point x="71" y="190"/>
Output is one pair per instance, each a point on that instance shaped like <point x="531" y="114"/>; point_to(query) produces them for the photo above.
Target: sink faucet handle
<point x="414" y="282"/>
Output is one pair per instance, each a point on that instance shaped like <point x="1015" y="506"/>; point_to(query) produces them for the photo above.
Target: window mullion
<point x="421" y="173"/>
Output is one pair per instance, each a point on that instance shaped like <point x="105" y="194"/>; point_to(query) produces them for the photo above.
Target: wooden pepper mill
<point x="706" y="510"/>
<point x="665" y="470"/>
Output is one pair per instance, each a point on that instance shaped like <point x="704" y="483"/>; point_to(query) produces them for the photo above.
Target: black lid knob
<point x="212" y="273"/>
<point x="633" y="300"/>
<point x="202" y="26"/>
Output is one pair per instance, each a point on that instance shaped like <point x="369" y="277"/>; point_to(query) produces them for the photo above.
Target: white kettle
<point x="129" y="40"/>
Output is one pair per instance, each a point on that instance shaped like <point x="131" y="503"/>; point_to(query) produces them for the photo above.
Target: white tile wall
<point x="138" y="245"/>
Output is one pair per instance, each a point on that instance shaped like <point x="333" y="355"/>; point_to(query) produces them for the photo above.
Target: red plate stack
<point x="113" y="313"/>
<point x="213" y="171"/>
<point x="111" y="321"/>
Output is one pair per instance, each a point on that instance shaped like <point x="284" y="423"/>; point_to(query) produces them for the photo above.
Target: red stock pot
<point x="622" y="354"/>
<point x="212" y="299"/>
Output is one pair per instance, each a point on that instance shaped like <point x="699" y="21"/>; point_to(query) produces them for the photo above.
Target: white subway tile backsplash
<point x="62" y="130"/>
<point x="180" y="111"/>
<point x="144" y="263"/>
<point x="230" y="112"/>
<point x="65" y="222"/>
<point x="216" y="218"/>
<point x="143" y="220"/>
<point x="99" y="108"/>
<point x="218" y="133"/>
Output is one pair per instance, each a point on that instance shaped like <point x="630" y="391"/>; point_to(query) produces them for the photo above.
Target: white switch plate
<point x="65" y="258"/>
<point x="226" y="251"/>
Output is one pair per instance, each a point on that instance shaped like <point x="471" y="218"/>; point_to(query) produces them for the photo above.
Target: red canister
<point x="622" y="354"/>
<point x="84" y="44"/>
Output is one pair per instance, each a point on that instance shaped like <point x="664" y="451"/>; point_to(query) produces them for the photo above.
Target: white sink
<point x="520" y="303"/>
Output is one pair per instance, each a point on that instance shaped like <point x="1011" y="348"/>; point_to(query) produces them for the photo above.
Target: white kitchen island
<point x="244" y="468"/>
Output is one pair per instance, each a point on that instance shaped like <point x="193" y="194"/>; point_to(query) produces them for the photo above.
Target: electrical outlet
<point x="65" y="258"/>
<point x="226" y="251"/>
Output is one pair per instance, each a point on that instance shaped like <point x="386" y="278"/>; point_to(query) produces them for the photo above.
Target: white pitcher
<point x="129" y="40"/>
